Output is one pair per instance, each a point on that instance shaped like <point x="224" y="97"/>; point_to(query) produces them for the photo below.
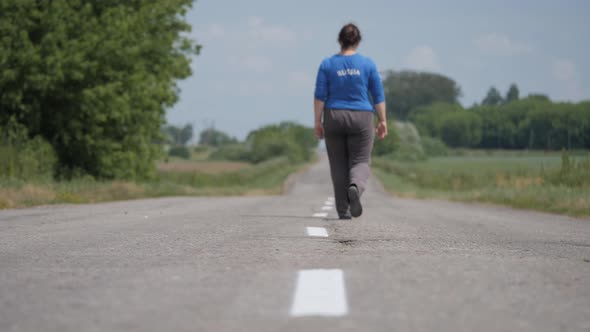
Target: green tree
<point x="512" y="94"/>
<point x="216" y="138"/>
<point x="492" y="98"/>
<point x="286" y="139"/>
<point x="407" y="90"/>
<point x="94" y="77"/>
<point x="178" y="136"/>
<point x="581" y="118"/>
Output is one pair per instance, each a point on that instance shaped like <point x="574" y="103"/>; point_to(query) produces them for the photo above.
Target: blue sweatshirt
<point x="344" y="82"/>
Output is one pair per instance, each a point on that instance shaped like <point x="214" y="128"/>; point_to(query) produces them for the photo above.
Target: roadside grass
<point x="180" y="179"/>
<point x="545" y="182"/>
<point x="205" y="166"/>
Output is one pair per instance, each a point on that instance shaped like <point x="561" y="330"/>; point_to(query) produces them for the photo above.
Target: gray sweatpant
<point x="349" y="140"/>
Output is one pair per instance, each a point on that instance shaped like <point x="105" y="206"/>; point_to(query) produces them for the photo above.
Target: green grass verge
<point x="538" y="182"/>
<point x="263" y="179"/>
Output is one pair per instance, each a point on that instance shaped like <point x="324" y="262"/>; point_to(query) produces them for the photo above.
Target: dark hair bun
<point x="350" y="36"/>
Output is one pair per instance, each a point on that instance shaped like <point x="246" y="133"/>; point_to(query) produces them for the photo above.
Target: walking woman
<point x="343" y="85"/>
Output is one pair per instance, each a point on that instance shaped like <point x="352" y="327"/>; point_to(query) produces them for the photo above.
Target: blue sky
<point x="260" y="57"/>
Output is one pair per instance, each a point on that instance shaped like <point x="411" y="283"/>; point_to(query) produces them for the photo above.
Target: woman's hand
<point x="381" y="129"/>
<point x="319" y="130"/>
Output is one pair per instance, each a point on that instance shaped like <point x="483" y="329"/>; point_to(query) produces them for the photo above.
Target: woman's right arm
<point x="320" y="96"/>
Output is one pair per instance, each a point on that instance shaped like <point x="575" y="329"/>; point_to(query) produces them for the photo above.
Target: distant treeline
<point x="530" y="123"/>
<point x="430" y="101"/>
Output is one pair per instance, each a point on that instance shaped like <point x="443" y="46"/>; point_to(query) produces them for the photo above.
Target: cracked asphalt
<point x="230" y="264"/>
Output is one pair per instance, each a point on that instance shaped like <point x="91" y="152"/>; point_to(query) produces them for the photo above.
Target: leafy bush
<point x="180" y="151"/>
<point x="403" y="143"/>
<point x="389" y="144"/>
<point x="265" y="148"/>
<point x="434" y="147"/>
<point x="288" y="139"/>
<point x="24" y="158"/>
<point x="236" y="152"/>
<point x="200" y="149"/>
<point x="177" y="135"/>
<point x="32" y="159"/>
<point x="214" y="137"/>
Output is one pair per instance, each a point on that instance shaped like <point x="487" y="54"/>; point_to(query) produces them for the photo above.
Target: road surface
<point x="251" y="264"/>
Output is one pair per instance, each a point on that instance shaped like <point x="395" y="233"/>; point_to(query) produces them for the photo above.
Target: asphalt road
<point x="248" y="264"/>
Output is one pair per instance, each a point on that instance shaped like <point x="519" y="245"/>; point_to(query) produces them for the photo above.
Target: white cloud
<point x="564" y="71"/>
<point x="209" y="34"/>
<point x="497" y="44"/>
<point x="299" y="78"/>
<point x="255" y="21"/>
<point x="300" y="82"/>
<point x="252" y="62"/>
<point x="262" y="32"/>
<point x="257" y="62"/>
<point x="254" y="33"/>
<point x="243" y="40"/>
<point x="216" y="30"/>
<point x="254" y="88"/>
<point x="422" y="58"/>
<point x="251" y="48"/>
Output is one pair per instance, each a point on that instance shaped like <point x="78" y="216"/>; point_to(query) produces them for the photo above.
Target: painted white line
<point x="319" y="293"/>
<point x="331" y="199"/>
<point x="320" y="215"/>
<point x="317" y="231"/>
<point x="328" y="203"/>
<point x="327" y="208"/>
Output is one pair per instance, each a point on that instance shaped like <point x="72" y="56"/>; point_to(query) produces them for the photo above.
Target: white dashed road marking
<point x="320" y="215"/>
<point x="329" y="203"/>
<point x="327" y="208"/>
<point x="319" y="293"/>
<point x="317" y="231"/>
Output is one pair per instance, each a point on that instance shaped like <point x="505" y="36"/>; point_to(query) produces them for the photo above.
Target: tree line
<point x="430" y="101"/>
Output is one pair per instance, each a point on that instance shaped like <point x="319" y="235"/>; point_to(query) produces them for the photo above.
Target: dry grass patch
<point x="116" y="190"/>
<point x="179" y="178"/>
<point x="208" y="167"/>
<point x="27" y="195"/>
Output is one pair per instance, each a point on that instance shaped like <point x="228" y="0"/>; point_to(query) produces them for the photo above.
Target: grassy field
<point x="175" y="178"/>
<point x="541" y="181"/>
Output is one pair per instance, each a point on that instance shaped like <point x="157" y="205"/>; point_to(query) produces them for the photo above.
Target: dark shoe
<point x="354" y="199"/>
<point x="345" y="217"/>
